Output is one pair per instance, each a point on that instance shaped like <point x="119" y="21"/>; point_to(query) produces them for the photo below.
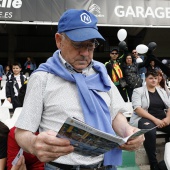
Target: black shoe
<point x="162" y="165"/>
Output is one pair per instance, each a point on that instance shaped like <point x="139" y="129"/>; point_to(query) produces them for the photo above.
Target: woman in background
<point x="131" y="73"/>
<point x="150" y="103"/>
<point x="162" y="82"/>
<point x="7" y="72"/>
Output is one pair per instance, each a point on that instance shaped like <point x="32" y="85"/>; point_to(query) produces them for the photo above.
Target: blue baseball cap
<point x="79" y="25"/>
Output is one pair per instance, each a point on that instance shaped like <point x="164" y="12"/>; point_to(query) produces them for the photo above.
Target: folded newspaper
<point x="89" y="141"/>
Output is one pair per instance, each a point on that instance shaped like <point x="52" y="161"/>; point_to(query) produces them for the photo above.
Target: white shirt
<point x="50" y="100"/>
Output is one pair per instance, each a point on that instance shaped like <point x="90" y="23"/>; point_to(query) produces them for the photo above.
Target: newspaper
<point x="89" y="141"/>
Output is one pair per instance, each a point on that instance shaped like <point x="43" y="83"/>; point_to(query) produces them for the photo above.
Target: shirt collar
<point x="71" y="69"/>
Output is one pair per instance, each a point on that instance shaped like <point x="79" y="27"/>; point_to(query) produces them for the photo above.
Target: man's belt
<point x="73" y="167"/>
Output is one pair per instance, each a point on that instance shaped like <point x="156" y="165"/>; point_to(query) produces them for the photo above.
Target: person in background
<point x="22" y="92"/>
<point x="4" y="130"/>
<point x="152" y="66"/>
<point x="72" y="84"/>
<point x="139" y="59"/>
<point x="20" y="165"/>
<point x="131" y="74"/>
<point x="162" y="82"/>
<point x="1" y="74"/>
<point x="151" y="108"/>
<point x="29" y="66"/>
<point x="31" y="161"/>
<point x="16" y="81"/>
<point x="7" y="72"/>
<point x="112" y="66"/>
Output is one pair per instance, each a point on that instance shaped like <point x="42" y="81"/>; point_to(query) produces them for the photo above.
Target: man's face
<point x="16" y="70"/>
<point x="151" y="81"/>
<point x="77" y="54"/>
<point x="114" y="54"/>
<point x="135" y="53"/>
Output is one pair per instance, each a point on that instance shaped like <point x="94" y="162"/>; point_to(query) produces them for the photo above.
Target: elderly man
<point x="72" y="84"/>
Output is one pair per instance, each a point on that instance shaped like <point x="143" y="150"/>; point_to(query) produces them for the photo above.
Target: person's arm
<point x="46" y="146"/>
<point x="123" y="129"/>
<point x="167" y="90"/>
<point x="109" y="69"/>
<point x="145" y="62"/>
<point x="2" y="163"/>
<point x="35" y="66"/>
<point x="8" y="91"/>
<point x="143" y="113"/>
<point x="25" y="64"/>
<point x="167" y="119"/>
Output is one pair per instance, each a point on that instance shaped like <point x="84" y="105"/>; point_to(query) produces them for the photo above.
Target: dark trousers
<point x="150" y="138"/>
<point x="129" y="92"/>
<point x="123" y="93"/>
<point x="16" y="103"/>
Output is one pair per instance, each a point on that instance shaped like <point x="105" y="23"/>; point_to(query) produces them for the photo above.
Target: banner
<point x="109" y="12"/>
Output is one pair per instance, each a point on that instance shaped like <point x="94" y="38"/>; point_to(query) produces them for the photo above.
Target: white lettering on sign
<point x="139" y="11"/>
<point x="10" y="3"/>
<point x="5" y="15"/>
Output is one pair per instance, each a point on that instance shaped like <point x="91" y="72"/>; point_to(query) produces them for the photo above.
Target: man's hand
<point x="47" y="147"/>
<point x="133" y="144"/>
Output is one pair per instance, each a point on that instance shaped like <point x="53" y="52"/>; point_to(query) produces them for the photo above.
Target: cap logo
<point x="85" y="18"/>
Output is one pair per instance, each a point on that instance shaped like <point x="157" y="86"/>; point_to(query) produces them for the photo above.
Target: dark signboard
<point x="108" y="12"/>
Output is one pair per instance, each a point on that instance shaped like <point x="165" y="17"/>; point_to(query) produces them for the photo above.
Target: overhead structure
<point x="139" y="13"/>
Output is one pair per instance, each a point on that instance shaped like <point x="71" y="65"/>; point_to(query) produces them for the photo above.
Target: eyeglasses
<point x="114" y="53"/>
<point x="134" y="52"/>
<point x="90" y="45"/>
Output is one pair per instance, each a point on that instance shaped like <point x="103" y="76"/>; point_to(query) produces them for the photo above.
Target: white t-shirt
<point x="18" y="80"/>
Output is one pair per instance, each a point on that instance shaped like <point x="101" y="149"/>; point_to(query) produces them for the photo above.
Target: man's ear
<point x="58" y="39"/>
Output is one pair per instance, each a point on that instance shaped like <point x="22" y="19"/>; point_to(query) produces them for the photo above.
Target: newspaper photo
<point x="89" y="141"/>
